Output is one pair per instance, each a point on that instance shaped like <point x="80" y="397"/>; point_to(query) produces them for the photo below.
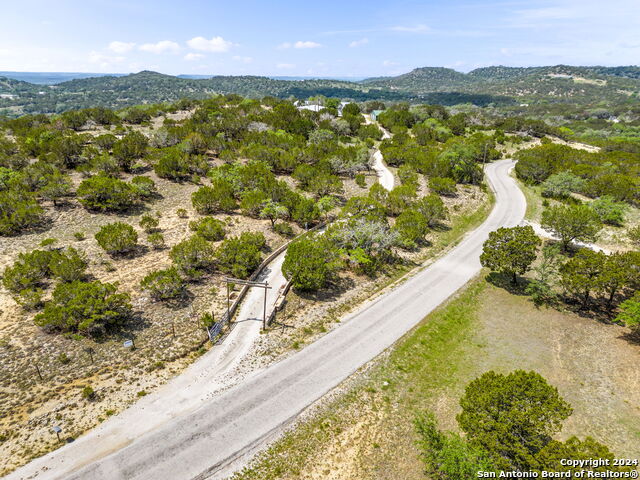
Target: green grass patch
<point x="534" y="201"/>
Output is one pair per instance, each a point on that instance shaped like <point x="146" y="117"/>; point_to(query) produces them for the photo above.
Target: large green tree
<point x="310" y="263"/>
<point x="89" y="308"/>
<point x="552" y="458"/>
<point x="240" y="256"/>
<point x="579" y="275"/>
<point x="446" y="455"/>
<point x="572" y="222"/>
<point x="510" y="251"/>
<point x="512" y="417"/>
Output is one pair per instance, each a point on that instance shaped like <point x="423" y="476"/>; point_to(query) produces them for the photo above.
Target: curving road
<point x="205" y="442"/>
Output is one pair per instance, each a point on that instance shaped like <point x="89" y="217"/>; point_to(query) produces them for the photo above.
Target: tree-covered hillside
<point x="605" y="86"/>
<point x="560" y="83"/>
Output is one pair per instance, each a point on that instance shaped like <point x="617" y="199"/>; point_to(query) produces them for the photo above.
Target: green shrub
<point x="369" y="131"/>
<point x="117" y="238"/>
<point x="408" y="175"/>
<point x="432" y="208"/>
<point x="630" y="312"/>
<point x="561" y="185"/>
<point x="209" y="228"/>
<point x="164" y="284"/>
<point x="85" y="307"/>
<point x="412" y="227"/>
<point x="609" y="211"/>
<point x="218" y="198"/>
<point x="156" y="239"/>
<point x="19" y="211"/>
<point x="182" y="213"/>
<point x="360" y="180"/>
<point x="68" y="266"/>
<point x="129" y="148"/>
<point x="447" y="455"/>
<point x="443" y="186"/>
<point x="283" y="229"/>
<point x="400" y="198"/>
<point x="252" y="202"/>
<point x="239" y="256"/>
<point x="144" y="186"/>
<point x="47" y="242"/>
<point x="106" y="141"/>
<point x="193" y="256"/>
<point x="88" y="393"/>
<point x="207" y="320"/>
<point x="28" y="272"/>
<point x="310" y="263"/>
<point x="149" y="223"/>
<point x="64" y="359"/>
<point x="106" y="194"/>
<point x="30" y="299"/>
<point x="173" y="165"/>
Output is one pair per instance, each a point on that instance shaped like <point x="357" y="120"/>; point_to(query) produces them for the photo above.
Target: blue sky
<point x="322" y="38"/>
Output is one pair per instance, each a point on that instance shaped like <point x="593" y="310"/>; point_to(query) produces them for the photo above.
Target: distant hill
<point x="52" y="78"/>
<point x="491" y="85"/>
<point x="530" y="84"/>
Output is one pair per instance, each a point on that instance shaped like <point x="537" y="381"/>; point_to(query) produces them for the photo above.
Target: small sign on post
<point x="57" y="430"/>
<point x="129" y="344"/>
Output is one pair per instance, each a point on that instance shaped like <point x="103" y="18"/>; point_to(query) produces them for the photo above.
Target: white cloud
<point x="163" y="46"/>
<point x="285" y="66"/>
<point x="389" y="63"/>
<point x="306" y="44"/>
<point x="121" y="47"/>
<point x="193" y="56"/>
<point x="299" y="44"/>
<point x="215" y="44"/>
<point x="238" y="58"/>
<point x="411" y="29"/>
<point x="104" y="61"/>
<point x="359" y="43"/>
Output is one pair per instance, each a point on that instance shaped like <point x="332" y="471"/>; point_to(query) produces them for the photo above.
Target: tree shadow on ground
<point x="138" y="251"/>
<point x="596" y="309"/>
<point x="632" y="337"/>
<point x="181" y="302"/>
<point x="505" y="281"/>
<point x="64" y="205"/>
<point x="137" y="323"/>
<point x="336" y="288"/>
<point x="440" y="227"/>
